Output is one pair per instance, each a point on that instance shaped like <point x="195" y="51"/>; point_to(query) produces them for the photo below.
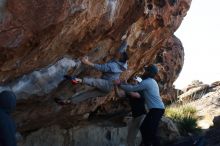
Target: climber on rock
<point x="111" y="71"/>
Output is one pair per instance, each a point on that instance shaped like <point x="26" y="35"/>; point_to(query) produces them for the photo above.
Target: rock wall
<point x="42" y="40"/>
<point x="206" y="100"/>
<point x="79" y="136"/>
<point x="93" y="135"/>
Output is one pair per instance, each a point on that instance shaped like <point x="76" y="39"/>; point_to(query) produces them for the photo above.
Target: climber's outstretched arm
<point x="107" y="67"/>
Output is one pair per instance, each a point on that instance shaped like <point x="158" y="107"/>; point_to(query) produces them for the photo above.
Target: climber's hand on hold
<point x="86" y="61"/>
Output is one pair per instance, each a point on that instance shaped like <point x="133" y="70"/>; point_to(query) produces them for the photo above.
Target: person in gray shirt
<point x="149" y="89"/>
<point x="111" y="71"/>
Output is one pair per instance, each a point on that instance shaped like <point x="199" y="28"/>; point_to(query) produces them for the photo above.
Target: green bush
<point x="185" y="117"/>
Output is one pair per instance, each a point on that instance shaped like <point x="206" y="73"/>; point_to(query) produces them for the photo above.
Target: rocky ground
<point x="206" y="99"/>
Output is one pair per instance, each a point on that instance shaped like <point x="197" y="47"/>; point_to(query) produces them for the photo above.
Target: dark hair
<point x="124" y="57"/>
<point x="152" y="70"/>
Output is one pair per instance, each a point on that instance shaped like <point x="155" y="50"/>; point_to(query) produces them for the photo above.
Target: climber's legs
<point x="102" y="88"/>
<point x="79" y="97"/>
<point x="101" y="84"/>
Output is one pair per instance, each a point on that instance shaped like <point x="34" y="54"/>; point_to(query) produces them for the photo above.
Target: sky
<point x="200" y="36"/>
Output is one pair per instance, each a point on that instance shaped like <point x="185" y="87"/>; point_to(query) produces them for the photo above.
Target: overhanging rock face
<point x="42" y="40"/>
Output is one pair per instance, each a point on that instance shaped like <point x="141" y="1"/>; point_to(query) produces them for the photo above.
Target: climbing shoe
<point x="73" y="79"/>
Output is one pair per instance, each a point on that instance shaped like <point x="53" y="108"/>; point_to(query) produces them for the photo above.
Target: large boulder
<point x="96" y="134"/>
<point x="207" y="106"/>
<point x="168" y="130"/>
<point x="42" y="40"/>
<point x="193" y="91"/>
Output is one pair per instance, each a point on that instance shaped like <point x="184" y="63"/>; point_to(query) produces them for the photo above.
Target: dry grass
<point x="185" y="117"/>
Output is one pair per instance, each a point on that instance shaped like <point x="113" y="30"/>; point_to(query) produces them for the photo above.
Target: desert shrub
<point x="185" y="117"/>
